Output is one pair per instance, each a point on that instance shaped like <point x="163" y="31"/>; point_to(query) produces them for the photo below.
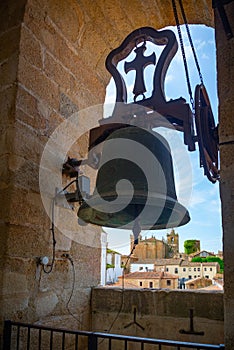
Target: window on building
<point x="140" y="284"/>
<point x="198" y="269"/>
<point x="151" y="284"/>
<point x="190" y="277"/>
<point x="206" y="276"/>
<point x="195" y="276"/>
<point x="168" y="282"/>
<point x="194" y="269"/>
<point x="167" y="269"/>
<point x="176" y="269"/>
<point x="140" y="268"/>
<point x="204" y="268"/>
<point x="210" y="268"/>
<point x="184" y="269"/>
<point x="189" y="269"/>
<point x="198" y="276"/>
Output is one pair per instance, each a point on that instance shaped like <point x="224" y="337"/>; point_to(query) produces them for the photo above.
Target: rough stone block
<point x="27" y="208"/>
<point x="7" y="102"/>
<point x="63" y="243"/>
<point x="7" y="139"/>
<point x="4" y="227"/>
<point x="30" y="48"/>
<point x="71" y="22"/>
<point x="38" y="83"/>
<point x="15" y="307"/>
<point x="4" y="172"/>
<point x="29" y="242"/>
<point x="26" y="143"/>
<point x="9" y="43"/>
<point x="67" y="107"/>
<point x="50" y="37"/>
<point x="57" y="72"/>
<point x="227" y="160"/>
<point x="61" y="277"/>
<point x="5" y="204"/>
<point x="226" y="127"/>
<point x="35" y="113"/>
<point x="96" y="42"/>
<point x="8" y="70"/>
<point x="11" y="13"/>
<point x="18" y="280"/>
<point x="45" y="303"/>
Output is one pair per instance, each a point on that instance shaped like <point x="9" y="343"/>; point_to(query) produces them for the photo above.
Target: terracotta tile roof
<point x="212" y="287"/>
<point x="119" y="284"/>
<point x="151" y="239"/>
<point x="189" y="263"/>
<point x="202" y="251"/>
<point x="149" y="275"/>
<point x="198" y="279"/>
<point x="175" y="261"/>
<point x="144" y="261"/>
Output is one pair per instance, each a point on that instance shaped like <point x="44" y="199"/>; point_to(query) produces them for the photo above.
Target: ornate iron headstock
<point x="176" y="112"/>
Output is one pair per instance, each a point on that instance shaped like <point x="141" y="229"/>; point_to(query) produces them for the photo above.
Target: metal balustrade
<point x="21" y="336"/>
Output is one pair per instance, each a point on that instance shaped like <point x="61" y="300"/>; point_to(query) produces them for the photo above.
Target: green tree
<point x="210" y="259"/>
<point x="198" y="259"/>
<point x="190" y="246"/>
<point x="216" y="259"/>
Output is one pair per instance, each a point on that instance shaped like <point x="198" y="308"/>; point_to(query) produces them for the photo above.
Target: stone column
<point x="225" y="68"/>
<point x="11" y="16"/>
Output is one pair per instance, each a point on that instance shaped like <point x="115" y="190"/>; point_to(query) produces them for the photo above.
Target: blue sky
<point x="204" y="202"/>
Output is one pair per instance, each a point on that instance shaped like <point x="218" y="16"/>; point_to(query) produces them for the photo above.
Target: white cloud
<point x="205" y="56"/>
<point x="200" y="44"/>
<point x="211" y="42"/>
<point x="169" y="77"/>
<point x="197" y="198"/>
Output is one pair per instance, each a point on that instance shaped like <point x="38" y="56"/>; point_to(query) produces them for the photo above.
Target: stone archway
<point x="52" y="62"/>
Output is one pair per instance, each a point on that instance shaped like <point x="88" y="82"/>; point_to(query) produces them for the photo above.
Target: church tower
<point x="173" y="243"/>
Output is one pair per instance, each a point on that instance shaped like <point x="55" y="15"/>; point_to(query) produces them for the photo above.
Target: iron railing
<point x="20" y="336"/>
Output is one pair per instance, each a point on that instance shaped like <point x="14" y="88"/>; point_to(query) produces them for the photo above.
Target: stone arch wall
<point x="52" y="64"/>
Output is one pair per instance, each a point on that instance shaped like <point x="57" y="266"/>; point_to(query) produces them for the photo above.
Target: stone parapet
<point x="162" y="313"/>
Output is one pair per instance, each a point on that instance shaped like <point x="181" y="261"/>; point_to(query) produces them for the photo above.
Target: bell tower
<point x="173" y="243"/>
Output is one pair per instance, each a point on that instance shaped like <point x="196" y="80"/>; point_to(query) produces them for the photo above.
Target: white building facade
<point x="113" y="266"/>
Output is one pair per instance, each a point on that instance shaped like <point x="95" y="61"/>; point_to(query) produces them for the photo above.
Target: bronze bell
<point x="135" y="183"/>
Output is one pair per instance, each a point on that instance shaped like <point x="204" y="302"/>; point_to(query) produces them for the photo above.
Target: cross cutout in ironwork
<point x="139" y="63"/>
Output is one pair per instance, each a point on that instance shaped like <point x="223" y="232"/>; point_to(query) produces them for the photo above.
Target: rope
<point x="183" y="53"/>
<point x="190" y="41"/>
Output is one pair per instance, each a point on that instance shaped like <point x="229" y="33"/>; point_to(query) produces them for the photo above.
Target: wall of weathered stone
<point x="45" y="77"/>
<point x="52" y="57"/>
<point x="161" y="313"/>
<point x="225" y="66"/>
<point x="11" y="16"/>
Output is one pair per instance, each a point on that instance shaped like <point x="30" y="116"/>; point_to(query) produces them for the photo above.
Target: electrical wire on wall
<point x="68" y="257"/>
<point x="49" y="267"/>
<point x="122" y="289"/>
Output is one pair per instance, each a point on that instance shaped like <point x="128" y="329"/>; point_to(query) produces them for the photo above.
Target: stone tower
<point x="173" y="243"/>
<point x="150" y="248"/>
